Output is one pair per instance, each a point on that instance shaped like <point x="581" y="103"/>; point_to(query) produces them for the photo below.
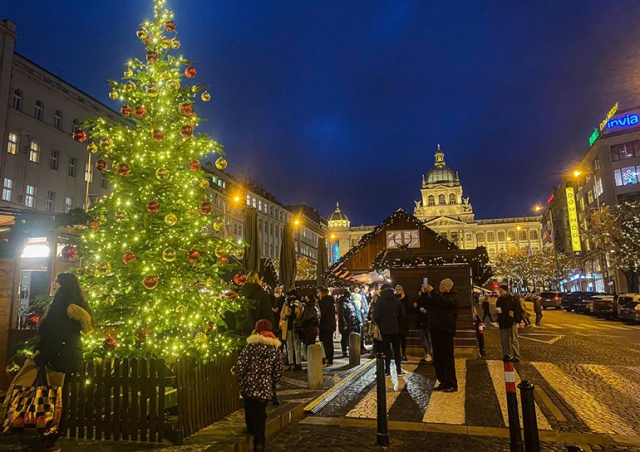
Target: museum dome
<point x="440" y="173"/>
<point x="338" y="218"/>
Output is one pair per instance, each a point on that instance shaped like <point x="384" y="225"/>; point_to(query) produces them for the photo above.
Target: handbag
<point x="377" y="335"/>
<point x="33" y="403"/>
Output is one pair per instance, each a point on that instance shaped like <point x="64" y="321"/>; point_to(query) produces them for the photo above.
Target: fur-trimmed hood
<point x="83" y="317"/>
<point x="266" y="340"/>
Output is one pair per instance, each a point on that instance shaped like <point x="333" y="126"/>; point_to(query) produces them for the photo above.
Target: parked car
<point x="582" y="304"/>
<point x="550" y="299"/>
<point x="629" y="306"/>
<point x="570" y="299"/>
<point x="531" y="297"/>
<point x="602" y="306"/>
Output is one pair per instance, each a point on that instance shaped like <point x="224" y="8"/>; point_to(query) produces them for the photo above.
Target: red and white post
<point x="515" y="436"/>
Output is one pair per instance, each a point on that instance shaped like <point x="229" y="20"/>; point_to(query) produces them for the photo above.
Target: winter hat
<point x="505" y="287"/>
<point x="447" y="283"/>
<point x="386" y="286"/>
<point x="263" y="325"/>
<point x="346" y="294"/>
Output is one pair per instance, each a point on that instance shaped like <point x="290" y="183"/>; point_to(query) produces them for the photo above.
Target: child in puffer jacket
<point x="258" y="368"/>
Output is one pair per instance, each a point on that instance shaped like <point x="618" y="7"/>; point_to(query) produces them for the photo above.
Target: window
<point x="260" y="205"/>
<point x="480" y="237"/>
<point x="57" y="120"/>
<point x="598" y="186"/>
<point x="54" y="159"/>
<point x="103" y="180"/>
<point x="16" y="102"/>
<point x="452" y="198"/>
<point x="34" y="152"/>
<point x="626" y="176"/>
<point x="625" y="151"/>
<point x="441" y="200"/>
<point x="37" y="112"/>
<point x="596" y="164"/>
<point x="51" y="201"/>
<point x="29" y="199"/>
<point x="431" y="200"/>
<point x="589" y="196"/>
<point x="248" y="200"/>
<point x="511" y="235"/>
<point x="522" y="235"/>
<point x="68" y="204"/>
<point x="533" y="235"/>
<point x="253" y="202"/>
<point x="7" y="189"/>
<point x="73" y="163"/>
<point x="12" y="143"/>
<point x="500" y="236"/>
<point x="454" y="237"/>
<point x="581" y="204"/>
<point x="491" y="236"/>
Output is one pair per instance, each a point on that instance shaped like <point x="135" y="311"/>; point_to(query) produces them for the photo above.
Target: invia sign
<point x="626" y="121"/>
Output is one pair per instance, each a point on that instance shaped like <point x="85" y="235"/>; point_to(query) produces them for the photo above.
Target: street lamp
<point x="296" y="225"/>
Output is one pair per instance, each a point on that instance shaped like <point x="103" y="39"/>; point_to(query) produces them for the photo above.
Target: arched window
<point x="37" y="112"/>
<point x="17" y="100"/>
<point x="57" y="120"/>
<point x="431" y="200"/>
<point x="452" y="198"/>
<point x="441" y="200"/>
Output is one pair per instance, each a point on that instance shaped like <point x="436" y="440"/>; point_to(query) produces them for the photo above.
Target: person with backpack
<point x="310" y="322"/>
<point x="257" y="307"/>
<point x="509" y="316"/>
<point x="347" y="321"/>
<point x="327" y="322"/>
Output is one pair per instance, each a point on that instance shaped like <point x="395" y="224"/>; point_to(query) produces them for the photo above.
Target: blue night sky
<point x="334" y="100"/>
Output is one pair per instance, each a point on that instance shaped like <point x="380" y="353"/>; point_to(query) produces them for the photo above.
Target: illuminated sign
<point x="596" y="133"/>
<point x="626" y="121"/>
<point x="573" y="222"/>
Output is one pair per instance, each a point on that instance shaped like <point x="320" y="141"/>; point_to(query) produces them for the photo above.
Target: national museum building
<point x="443" y="209"/>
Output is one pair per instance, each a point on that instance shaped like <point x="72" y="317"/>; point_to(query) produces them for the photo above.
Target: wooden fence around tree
<point x="138" y="399"/>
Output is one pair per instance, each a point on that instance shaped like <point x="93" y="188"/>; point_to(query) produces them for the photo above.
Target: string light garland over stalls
<point x="151" y="258"/>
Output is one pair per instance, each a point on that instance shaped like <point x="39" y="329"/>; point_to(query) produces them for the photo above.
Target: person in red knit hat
<point x="259" y="367"/>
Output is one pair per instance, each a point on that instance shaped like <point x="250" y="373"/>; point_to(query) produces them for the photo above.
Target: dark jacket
<point x="260" y="308"/>
<point x="537" y="306"/>
<point x="421" y="317"/>
<point x="347" y="319"/>
<point x="403" y="323"/>
<point x="327" y="313"/>
<point x="511" y="312"/>
<point x="259" y="367"/>
<point x="389" y="313"/>
<point x="443" y="311"/>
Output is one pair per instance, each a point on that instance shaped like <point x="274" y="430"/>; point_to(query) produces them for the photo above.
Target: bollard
<point x="480" y="336"/>
<point x="381" y="402"/>
<point x="529" y="421"/>
<point x="515" y="437"/>
<point x="354" y="349"/>
<point x="314" y="366"/>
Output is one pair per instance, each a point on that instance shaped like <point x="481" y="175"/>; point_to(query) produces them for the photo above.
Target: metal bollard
<point x="515" y="437"/>
<point x="381" y="402"/>
<point x="314" y="366"/>
<point x="529" y="421"/>
<point x="354" y="349"/>
<point x="480" y="336"/>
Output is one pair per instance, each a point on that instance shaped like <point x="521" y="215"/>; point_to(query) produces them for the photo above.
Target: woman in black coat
<point x="403" y="324"/>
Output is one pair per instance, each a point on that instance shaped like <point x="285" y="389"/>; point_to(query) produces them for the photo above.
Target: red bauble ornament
<point x="93" y="224"/>
<point x="186" y="109"/>
<point x="186" y="131"/>
<point x="194" y="165"/>
<point x="128" y="257"/>
<point x="125" y="110"/>
<point x="101" y="165"/>
<point x="153" y="206"/>
<point x="157" y="135"/>
<point x="240" y="279"/>
<point x="150" y="282"/>
<point x="205" y="208"/>
<point x="142" y="332"/>
<point x="123" y="169"/>
<point x="170" y="25"/>
<point x="32" y="319"/>
<point x="152" y="57"/>
<point x="68" y="252"/>
<point x="193" y="256"/>
<point x="223" y="260"/>
<point x="109" y="343"/>
<point x="190" y="72"/>
<point x="140" y="111"/>
<point x="79" y="135"/>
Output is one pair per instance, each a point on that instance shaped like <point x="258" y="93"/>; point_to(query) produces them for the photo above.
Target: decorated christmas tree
<point x="152" y="261"/>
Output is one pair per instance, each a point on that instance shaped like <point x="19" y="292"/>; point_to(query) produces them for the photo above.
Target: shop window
<point x="625" y="151"/>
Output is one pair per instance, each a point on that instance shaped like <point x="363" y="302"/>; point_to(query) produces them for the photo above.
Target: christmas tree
<point x="151" y="258"/>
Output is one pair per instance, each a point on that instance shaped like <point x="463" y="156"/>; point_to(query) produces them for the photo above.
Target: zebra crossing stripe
<point x="615" y="380"/>
<point x="551" y="325"/>
<point x="448" y="408"/>
<point x="598" y="417"/>
<point x="497" y="378"/>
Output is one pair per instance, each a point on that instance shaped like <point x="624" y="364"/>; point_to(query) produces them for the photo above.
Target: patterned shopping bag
<point x="33" y="403"/>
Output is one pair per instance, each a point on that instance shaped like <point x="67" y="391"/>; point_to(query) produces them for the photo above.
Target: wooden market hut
<point x="411" y="251"/>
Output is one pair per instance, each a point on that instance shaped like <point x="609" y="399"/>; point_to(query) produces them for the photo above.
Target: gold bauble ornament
<point x="169" y="255"/>
<point x="105" y="267"/>
<point x="218" y="226"/>
<point x="92" y="147"/>
<point x="175" y="43"/>
<point x="221" y="163"/>
<point x="120" y="216"/>
<point x="166" y="43"/>
<point x="129" y="86"/>
<point x="162" y="173"/>
<point x="150" y="282"/>
<point x="206" y="97"/>
<point x="173" y="85"/>
<point x="113" y="95"/>
<point x="142" y="33"/>
<point x="239" y="253"/>
<point x="128" y="73"/>
<point x="181" y="308"/>
<point x="152" y="91"/>
<point x="170" y="219"/>
<point x="106" y="143"/>
<point x="204" y="183"/>
<point x="220" y="252"/>
<point x="200" y="338"/>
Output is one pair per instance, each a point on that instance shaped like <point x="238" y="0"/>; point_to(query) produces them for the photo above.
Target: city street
<point x="584" y="369"/>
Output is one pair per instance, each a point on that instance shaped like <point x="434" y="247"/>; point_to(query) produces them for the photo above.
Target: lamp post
<point x="296" y="226"/>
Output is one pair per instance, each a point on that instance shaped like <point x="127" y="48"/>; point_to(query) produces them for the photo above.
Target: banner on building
<point x="573" y="222"/>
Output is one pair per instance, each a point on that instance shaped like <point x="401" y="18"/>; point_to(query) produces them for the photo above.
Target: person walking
<point x="509" y="315"/>
<point x="404" y="323"/>
<point x="442" y="307"/>
<point x="347" y="321"/>
<point x="291" y="317"/>
<point x="258" y="368"/>
<point x="525" y="312"/>
<point x="537" y="308"/>
<point x="60" y="344"/>
<point x="486" y="309"/>
<point x="327" y="322"/>
<point x="388" y="315"/>
<point x="258" y="307"/>
<point x="422" y="316"/>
